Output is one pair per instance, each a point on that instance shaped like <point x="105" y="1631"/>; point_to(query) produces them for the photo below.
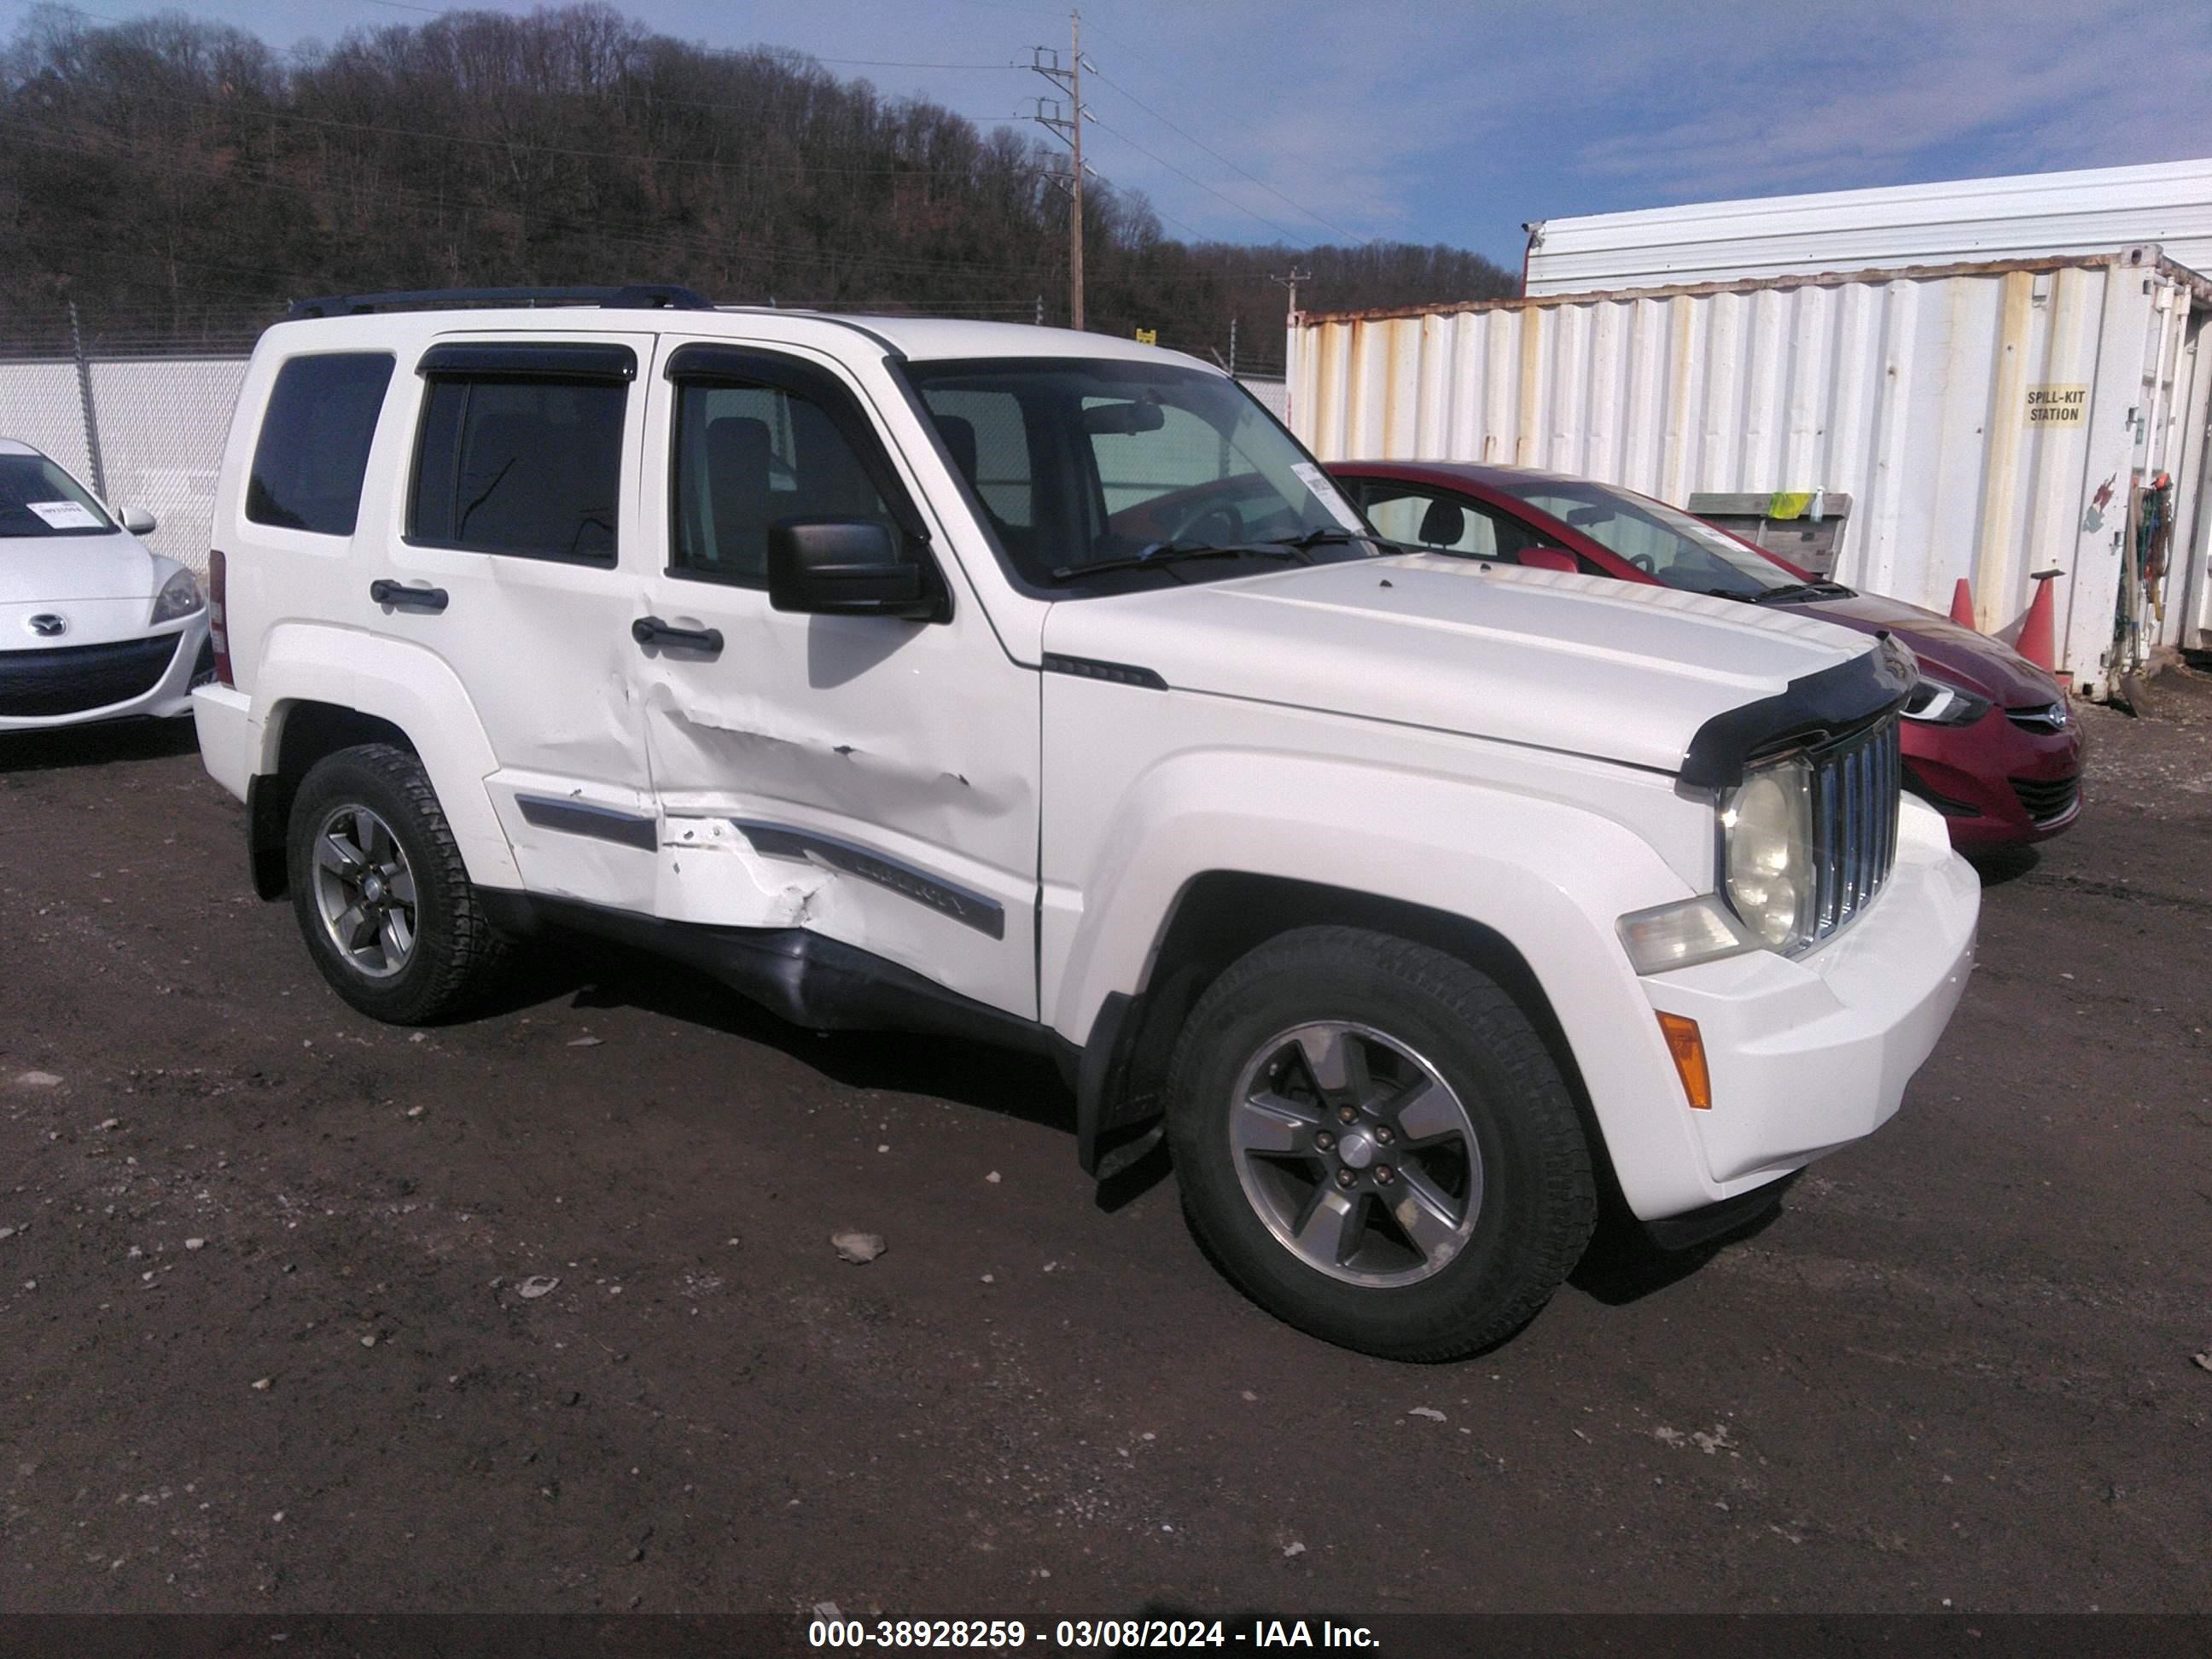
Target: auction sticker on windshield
<point x="63" y="515"/>
<point x="1327" y="493"/>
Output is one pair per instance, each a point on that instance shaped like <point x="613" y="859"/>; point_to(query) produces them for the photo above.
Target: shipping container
<point x="1985" y="420"/>
<point x="2033" y="216"/>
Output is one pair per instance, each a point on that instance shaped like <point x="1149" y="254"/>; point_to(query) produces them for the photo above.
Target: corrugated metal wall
<point x="1911" y="394"/>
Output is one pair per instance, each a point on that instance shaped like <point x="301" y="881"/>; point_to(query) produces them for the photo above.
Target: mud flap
<point x="1114" y="1125"/>
<point x="268" y="819"/>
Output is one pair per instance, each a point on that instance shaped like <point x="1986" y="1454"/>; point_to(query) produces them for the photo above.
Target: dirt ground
<point x="269" y="1339"/>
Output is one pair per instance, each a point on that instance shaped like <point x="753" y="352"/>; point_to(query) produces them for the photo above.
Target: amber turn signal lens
<point x="1685" y="1042"/>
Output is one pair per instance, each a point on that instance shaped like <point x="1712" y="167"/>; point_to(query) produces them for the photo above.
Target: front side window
<point x="989" y="441"/>
<point x="313" y="453"/>
<point x="1419" y="518"/>
<point x="748" y="457"/>
<point x="1079" y="464"/>
<point x="1680" y="551"/>
<point x="36" y="498"/>
<point x="526" y="466"/>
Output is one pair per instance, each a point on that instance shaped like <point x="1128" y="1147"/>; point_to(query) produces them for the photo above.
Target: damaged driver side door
<point x="869" y="778"/>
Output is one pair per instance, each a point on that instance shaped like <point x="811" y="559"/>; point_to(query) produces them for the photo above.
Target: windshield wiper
<point x="1823" y="590"/>
<point x="1326" y="537"/>
<point x="1167" y="553"/>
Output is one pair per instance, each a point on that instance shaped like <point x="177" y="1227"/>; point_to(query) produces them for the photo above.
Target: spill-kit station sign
<point x="2057" y="405"/>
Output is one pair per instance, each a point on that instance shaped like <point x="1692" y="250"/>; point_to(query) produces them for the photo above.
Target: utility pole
<point x="1045" y="60"/>
<point x="1075" y="219"/>
<point x="1291" y="341"/>
<point x="1232" y="347"/>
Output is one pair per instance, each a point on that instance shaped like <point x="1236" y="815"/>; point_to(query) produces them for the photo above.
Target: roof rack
<point x="637" y="296"/>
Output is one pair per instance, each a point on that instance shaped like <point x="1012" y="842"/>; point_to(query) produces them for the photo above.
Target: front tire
<point x="380" y="890"/>
<point x="1374" y="1143"/>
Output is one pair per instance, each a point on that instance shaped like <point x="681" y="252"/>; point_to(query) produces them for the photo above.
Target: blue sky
<point x="1253" y="121"/>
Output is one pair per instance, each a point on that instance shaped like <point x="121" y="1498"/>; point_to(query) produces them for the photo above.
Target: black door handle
<point x="650" y="630"/>
<point x="400" y="597"/>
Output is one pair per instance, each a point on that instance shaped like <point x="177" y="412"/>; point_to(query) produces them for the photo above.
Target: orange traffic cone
<point x="1962" y="605"/>
<point x="2036" y="641"/>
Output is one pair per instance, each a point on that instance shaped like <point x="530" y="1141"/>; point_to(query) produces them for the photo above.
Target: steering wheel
<point x="1645" y="562"/>
<point x="1215" y="525"/>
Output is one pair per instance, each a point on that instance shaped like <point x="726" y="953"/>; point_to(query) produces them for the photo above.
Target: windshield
<point x="1080" y="464"/>
<point x="36" y="498"/>
<point x="1680" y="551"/>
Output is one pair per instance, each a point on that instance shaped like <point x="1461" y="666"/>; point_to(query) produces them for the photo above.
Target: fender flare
<point x="1548" y="876"/>
<point x="415" y="690"/>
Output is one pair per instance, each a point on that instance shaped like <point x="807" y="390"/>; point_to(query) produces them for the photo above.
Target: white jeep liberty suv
<point x="1037" y="686"/>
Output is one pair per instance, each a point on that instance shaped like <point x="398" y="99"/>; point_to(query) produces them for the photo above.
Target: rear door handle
<point x="650" y="630"/>
<point x="400" y="597"/>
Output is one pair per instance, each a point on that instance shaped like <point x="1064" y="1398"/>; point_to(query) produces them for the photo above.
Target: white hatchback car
<point x="95" y="625"/>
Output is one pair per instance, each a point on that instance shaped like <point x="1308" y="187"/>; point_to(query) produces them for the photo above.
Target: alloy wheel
<point x="1355" y="1152"/>
<point x="365" y="890"/>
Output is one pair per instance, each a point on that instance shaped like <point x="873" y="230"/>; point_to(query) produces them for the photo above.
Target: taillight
<point x="218" y="616"/>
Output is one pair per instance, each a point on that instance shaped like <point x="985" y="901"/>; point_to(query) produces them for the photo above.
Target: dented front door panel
<point x="873" y="779"/>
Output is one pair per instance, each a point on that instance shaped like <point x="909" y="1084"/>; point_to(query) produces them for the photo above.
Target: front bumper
<point x="1996" y="784"/>
<point x="1808" y="1055"/>
<point x="74" y="685"/>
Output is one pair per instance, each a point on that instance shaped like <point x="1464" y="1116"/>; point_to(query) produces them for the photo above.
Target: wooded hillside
<point x="180" y="176"/>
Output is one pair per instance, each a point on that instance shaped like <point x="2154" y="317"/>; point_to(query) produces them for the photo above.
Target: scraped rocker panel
<point x="962" y="904"/>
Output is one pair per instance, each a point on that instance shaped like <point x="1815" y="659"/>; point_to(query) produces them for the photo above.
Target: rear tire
<point x="1373" y="1143"/>
<point x="380" y="892"/>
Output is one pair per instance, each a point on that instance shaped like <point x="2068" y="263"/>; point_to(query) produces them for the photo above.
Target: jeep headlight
<point x="179" y="597"/>
<point x="1766" y="852"/>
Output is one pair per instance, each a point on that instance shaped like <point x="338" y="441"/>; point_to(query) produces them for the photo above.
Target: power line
<point x="862" y="63"/>
<point x="1226" y="162"/>
<point x="75" y="143"/>
<point x="1287" y="235"/>
<point x="512" y="147"/>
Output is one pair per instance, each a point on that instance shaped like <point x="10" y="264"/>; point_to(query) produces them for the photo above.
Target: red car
<point x="1988" y="740"/>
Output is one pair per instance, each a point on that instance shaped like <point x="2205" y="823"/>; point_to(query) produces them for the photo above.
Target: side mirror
<point x="1549" y="558"/>
<point x="847" y="568"/>
<point x="137" y="520"/>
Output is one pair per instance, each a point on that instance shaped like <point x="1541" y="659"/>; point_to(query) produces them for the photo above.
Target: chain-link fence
<point x="138" y="414"/>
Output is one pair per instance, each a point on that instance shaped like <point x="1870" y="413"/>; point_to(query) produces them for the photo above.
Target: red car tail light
<point x="218" y="618"/>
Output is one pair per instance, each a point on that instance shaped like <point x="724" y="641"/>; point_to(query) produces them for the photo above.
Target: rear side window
<point x="528" y="465"/>
<point x="314" y="449"/>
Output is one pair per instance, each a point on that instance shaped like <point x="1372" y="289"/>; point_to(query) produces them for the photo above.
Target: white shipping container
<point x="2027" y="217"/>
<point x="1986" y="421"/>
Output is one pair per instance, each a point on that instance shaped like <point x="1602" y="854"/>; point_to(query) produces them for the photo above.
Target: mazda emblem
<point x="48" y="625"/>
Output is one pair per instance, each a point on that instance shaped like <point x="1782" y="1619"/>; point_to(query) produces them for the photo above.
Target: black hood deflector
<point x="1814" y="710"/>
